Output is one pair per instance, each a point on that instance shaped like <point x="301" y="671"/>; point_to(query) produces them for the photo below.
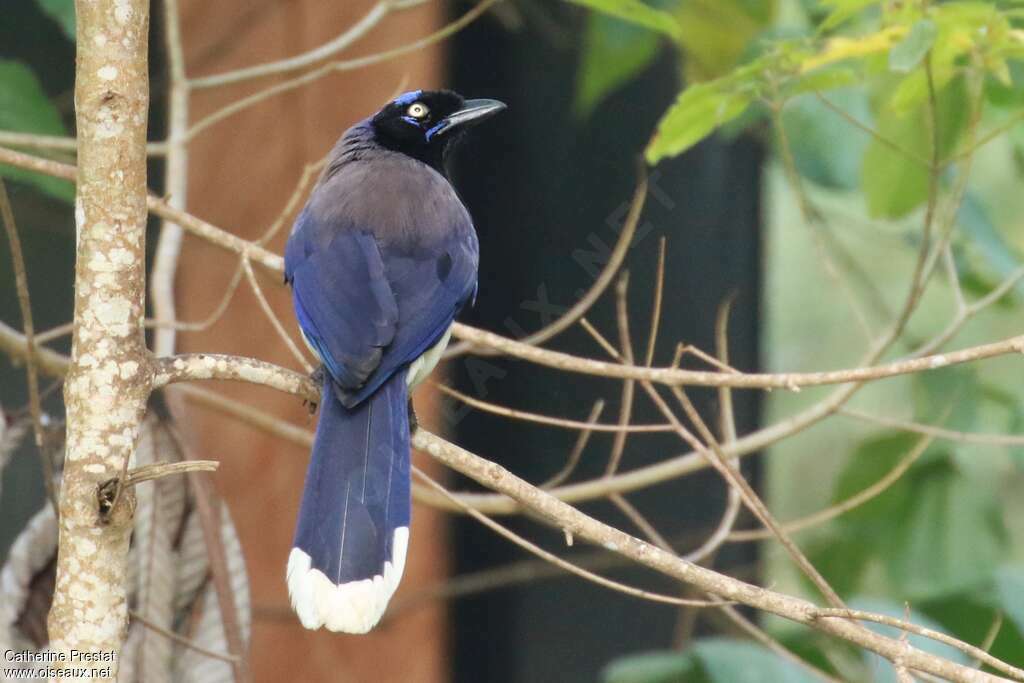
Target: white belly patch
<point x="424" y="365"/>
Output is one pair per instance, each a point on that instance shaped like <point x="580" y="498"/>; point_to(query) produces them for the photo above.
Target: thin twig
<point x="309" y="173"/>
<point x="577" y="450"/>
<point x="938" y="432"/>
<point x="628" y="386"/>
<point x="180" y="325"/>
<point x="211" y="521"/>
<point x="274" y="320"/>
<point x="854" y="501"/>
<point x="762" y="636"/>
<point x="31" y="372"/>
<point x="516" y="414"/>
<point x="717" y="458"/>
<point x="168" y="248"/>
<point x="659" y="292"/>
<point x="564" y="516"/>
<point x="864" y="372"/>
<point x="931" y="634"/>
<point x="871" y="132"/>
<point x="157" y="470"/>
<point x="331" y="67"/>
<point x="301" y="61"/>
<point x="642" y="523"/>
<point x="990" y="637"/>
<point x="812" y="218"/>
<point x="604" y="278"/>
<point x="59" y="142"/>
<point x="727" y="428"/>
<point x="182" y="640"/>
<point x="558" y="561"/>
<point x="752" y="500"/>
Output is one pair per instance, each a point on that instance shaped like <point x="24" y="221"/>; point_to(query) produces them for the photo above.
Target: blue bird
<point x="380" y="261"/>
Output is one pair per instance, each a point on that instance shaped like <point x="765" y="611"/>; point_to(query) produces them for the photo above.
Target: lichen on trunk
<point x="110" y="376"/>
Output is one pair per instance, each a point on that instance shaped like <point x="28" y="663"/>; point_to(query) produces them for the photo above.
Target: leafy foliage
<point x="614" y="52"/>
<point x="63" y="12"/>
<point x="881" y="109"/>
<point x="712" y="660"/>
<point x="25" y="108"/>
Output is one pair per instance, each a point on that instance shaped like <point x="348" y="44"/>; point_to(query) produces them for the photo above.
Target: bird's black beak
<point x="471" y="113"/>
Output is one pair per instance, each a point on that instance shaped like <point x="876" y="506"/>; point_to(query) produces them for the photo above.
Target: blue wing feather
<point x="369" y="310"/>
<point x="344" y="305"/>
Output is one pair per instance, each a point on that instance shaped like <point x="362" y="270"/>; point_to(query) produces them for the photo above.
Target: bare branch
<point x="180" y="639"/>
<point x="272" y="317"/>
<point x="494" y="476"/>
<point x="577" y="449"/>
<point x="604" y="278"/>
<point x="938" y="432"/>
<point x="628" y="386"/>
<point x="561" y="563"/>
<point x="196" y="366"/>
<point x="57" y="142"/>
<point x="31" y="372"/>
<point x="301" y="61"/>
<point x="515" y="414"/>
<point x="331" y="67"/>
<point x="157" y="470"/>
<point x="563" y="361"/>
<point x="727" y="428"/>
<point x="937" y="636"/>
<point x="165" y="260"/>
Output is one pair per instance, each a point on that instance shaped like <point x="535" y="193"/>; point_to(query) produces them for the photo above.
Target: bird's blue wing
<point x="431" y="285"/>
<point x="344" y="303"/>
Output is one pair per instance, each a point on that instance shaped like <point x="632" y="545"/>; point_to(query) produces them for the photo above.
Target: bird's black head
<point x="423" y="124"/>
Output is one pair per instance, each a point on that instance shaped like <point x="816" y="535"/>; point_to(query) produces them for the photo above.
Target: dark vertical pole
<point x="549" y="193"/>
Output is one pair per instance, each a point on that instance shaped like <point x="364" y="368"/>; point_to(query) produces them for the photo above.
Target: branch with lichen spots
<point x="198" y="366"/>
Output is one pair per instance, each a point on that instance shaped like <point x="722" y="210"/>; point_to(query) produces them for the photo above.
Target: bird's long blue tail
<point x="353" y="527"/>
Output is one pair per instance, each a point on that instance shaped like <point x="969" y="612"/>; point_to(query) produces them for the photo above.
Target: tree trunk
<point x="109" y="380"/>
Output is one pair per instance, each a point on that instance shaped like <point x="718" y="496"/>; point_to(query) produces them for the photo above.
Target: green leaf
<point x="842" y="10"/>
<point x="1010" y="593"/>
<point x="908" y="53"/>
<point x="613" y="53"/>
<point x="820" y="80"/>
<point x="895" y="184"/>
<point x="63" y="12"/>
<point x="947" y="396"/>
<point x="896" y="181"/>
<point x="881" y="668"/>
<point x="950" y="539"/>
<point x="1011" y="403"/>
<point x="699" y="110"/>
<point x="730" y="661"/>
<point x="996" y="252"/>
<point x="862" y="534"/>
<point x="650" y="667"/>
<point x="824" y="150"/>
<point x="715" y="36"/>
<point x="637" y="13"/>
<point x="25" y="108"/>
<point x="863" y="47"/>
<point x="871" y="461"/>
<point x="935" y="531"/>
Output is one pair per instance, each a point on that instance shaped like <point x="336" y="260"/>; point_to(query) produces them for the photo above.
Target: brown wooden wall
<point x="242" y="172"/>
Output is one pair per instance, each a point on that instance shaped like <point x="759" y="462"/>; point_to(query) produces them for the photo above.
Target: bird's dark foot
<point x="414" y="423"/>
<point x="317" y="376"/>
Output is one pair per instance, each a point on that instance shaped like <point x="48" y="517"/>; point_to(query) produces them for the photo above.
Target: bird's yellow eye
<point x="417" y="110"/>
